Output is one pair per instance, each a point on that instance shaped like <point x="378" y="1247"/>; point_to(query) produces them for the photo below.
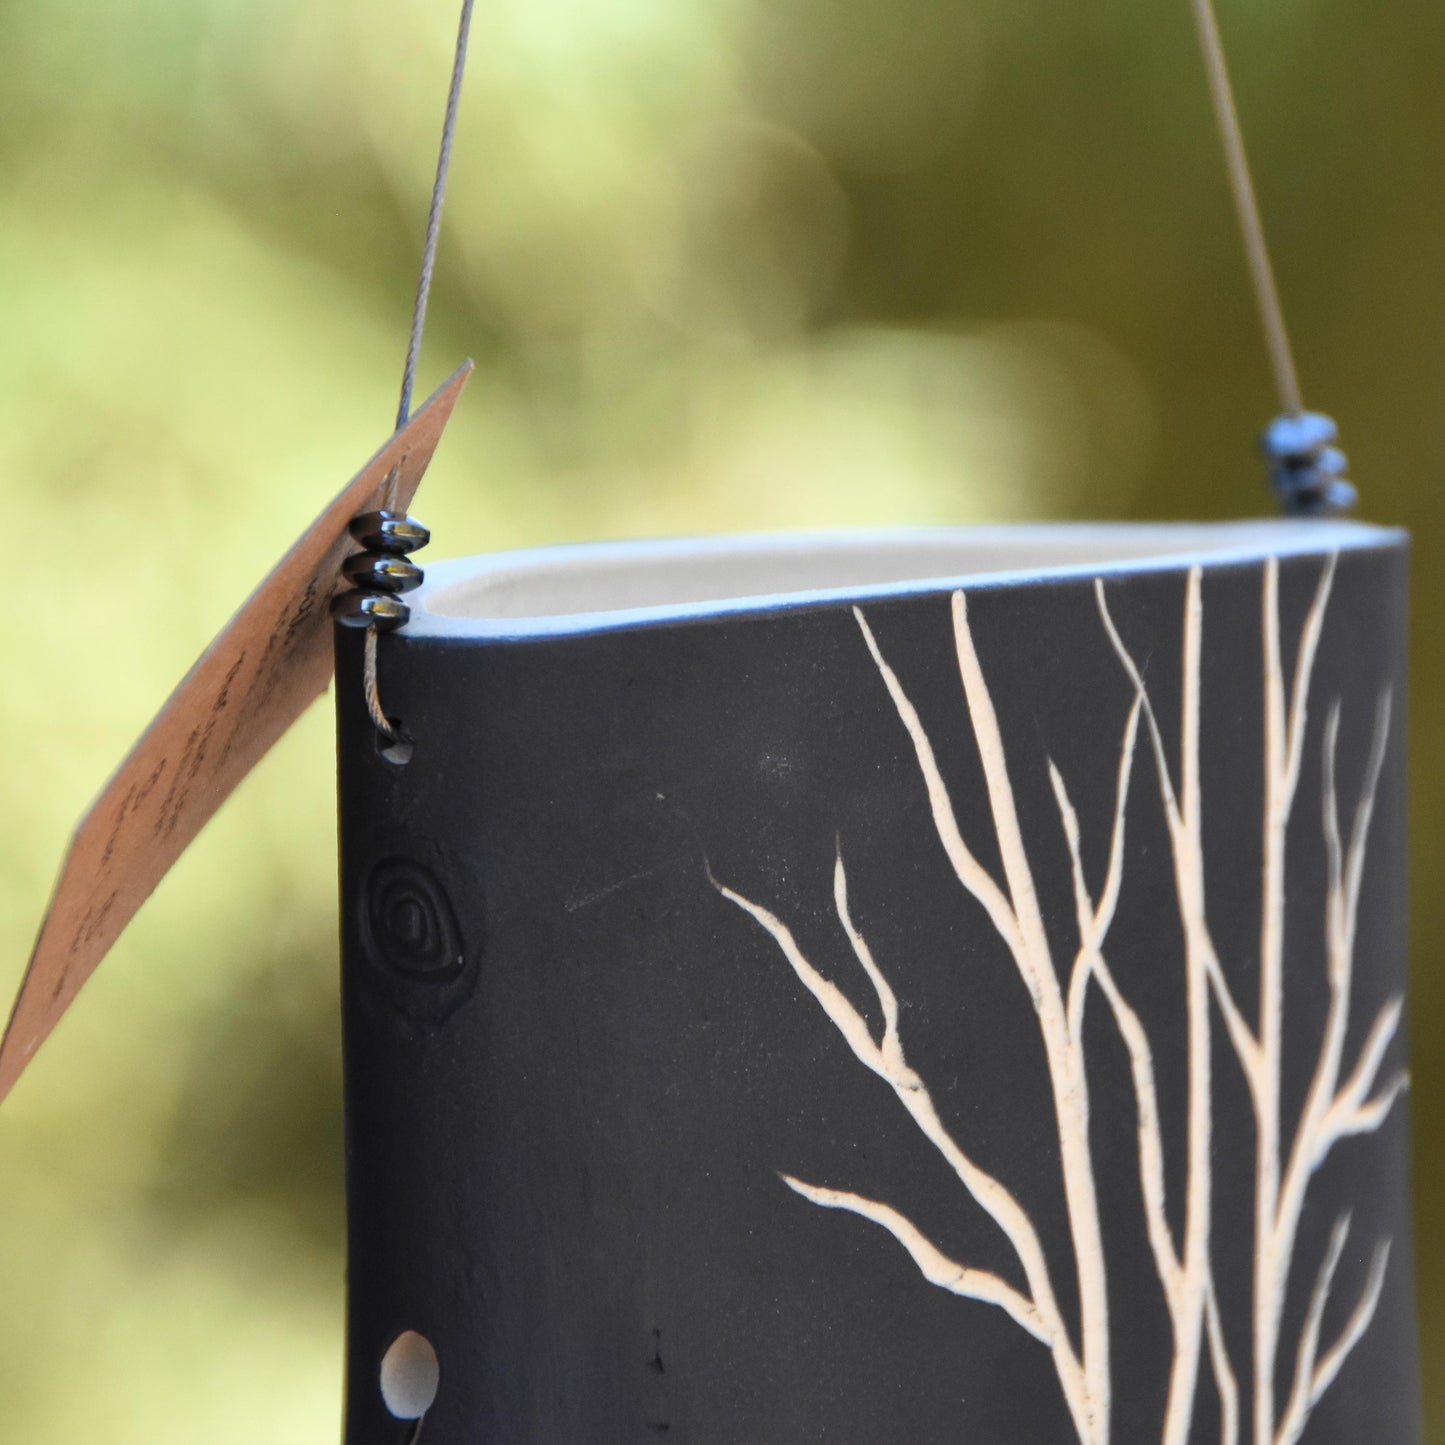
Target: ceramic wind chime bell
<point x="903" y="986"/>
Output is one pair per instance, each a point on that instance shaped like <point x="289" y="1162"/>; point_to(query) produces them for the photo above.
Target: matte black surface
<point x="575" y="1070"/>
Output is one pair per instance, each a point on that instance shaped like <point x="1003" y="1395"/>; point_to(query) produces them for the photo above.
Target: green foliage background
<point x="723" y="264"/>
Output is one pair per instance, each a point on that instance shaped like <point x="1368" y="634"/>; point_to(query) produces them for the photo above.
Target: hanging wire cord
<point x="381" y="570"/>
<point x="434" y="216"/>
<point x="1306" y="467"/>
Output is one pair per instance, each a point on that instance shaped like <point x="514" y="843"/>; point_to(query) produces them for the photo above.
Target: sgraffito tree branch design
<point x="1335" y="1107"/>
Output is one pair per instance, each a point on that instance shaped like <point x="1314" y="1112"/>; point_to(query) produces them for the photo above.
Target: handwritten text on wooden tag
<point x="267" y="665"/>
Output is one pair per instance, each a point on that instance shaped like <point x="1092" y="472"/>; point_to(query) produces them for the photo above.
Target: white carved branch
<point x="1312" y="1378"/>
<point x="891" y="1066"/>
<point x="1186" y="1286"/>
<point x="1020" y="922"/>
<point x="1093" y="924"/>
<point x="1366" y="1117"/>
<point x="1039" y="973"/>
<point x="1355" y="1326"/>
<point x="1067" y="1074"/>
<point x="1372" y="1054"/>
<point x="892" y="1046"/>
<point x="1277" y="1211"/>
<point x="1364" y="811"/>
<point x="971" y="873"/>
<point x="1224" y="1379"/>
<point x="1297" y="1408"/>
<point x="1241" y="1036"/>
<point x="1330" y="1116"/>
<point x="1304" y="663"/>
<point x="933" y="1264"/>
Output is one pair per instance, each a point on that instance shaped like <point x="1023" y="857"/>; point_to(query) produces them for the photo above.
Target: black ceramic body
<point x="734" y="1052"/>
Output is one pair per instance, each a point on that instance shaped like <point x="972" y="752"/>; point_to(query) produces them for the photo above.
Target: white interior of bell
<point x="615" y="583"/>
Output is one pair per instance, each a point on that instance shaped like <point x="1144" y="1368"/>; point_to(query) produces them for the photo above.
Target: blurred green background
<point x="723" y="265"/>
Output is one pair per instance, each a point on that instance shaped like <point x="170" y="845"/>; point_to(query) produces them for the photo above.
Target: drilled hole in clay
<point x="399" y="749"/>
<point x="409" y="1376"/>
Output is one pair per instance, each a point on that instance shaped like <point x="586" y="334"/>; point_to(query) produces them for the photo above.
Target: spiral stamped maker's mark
<point x="408" y="922"/>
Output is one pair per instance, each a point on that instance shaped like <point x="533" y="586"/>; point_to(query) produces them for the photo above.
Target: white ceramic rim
<point x="595" y="586"/>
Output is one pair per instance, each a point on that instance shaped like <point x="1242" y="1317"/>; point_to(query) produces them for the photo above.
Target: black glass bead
<point x="1298" y="437"/>
<point x="393" y="533"/>
<point x="1309" y="475"/>
<point x="375" y="571"/>
<point x="1306" y="467"/>
<point x="370" y="609"/>
<point x="1330" y="499"/>
<point x="1339" y="496"/>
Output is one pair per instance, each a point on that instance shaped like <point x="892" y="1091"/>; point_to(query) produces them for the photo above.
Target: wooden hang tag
<point x="269" y="663"/>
